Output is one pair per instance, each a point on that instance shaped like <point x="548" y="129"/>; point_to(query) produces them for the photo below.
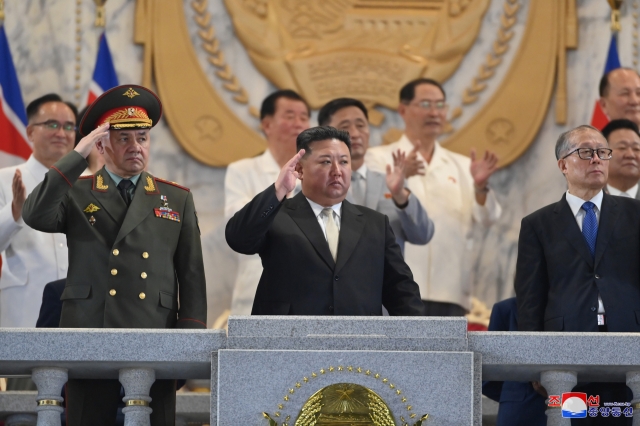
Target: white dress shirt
<point x="631" y="192"/>
<point x="322" y="220"/>
<point x="575" y="204"/>
<point x="30" y="258"/>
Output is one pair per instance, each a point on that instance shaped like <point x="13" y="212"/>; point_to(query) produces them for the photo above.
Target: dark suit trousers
<point x="95" y="402"/>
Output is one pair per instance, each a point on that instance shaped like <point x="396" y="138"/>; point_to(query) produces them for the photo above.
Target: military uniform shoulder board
<point x="168" y="182"/>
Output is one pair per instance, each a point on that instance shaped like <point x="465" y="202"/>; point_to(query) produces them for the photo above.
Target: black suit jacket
<point x="557" y="281"/>
<point x="51" y="307"/>
<point x="300" y="276"/>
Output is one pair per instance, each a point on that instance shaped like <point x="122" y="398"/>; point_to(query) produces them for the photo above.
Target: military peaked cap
<point x="123" y="107"/>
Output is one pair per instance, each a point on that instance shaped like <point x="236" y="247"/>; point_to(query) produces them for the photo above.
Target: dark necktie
<point x="590" y="226"/>
<point x="123" y="187"/>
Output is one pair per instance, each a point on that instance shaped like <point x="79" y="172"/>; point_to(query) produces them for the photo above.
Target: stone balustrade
<point x="558" y="360"/>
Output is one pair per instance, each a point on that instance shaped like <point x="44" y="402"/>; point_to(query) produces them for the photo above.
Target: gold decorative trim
<point x="101" y="19"/>
<point x="342" y="369"/>
<point x="151" y="187"/>
<point x="49" y="402"/>
<point x="634" y="13"/>
<point x="215" y="56"/>
<point x="494" y="58"/>
<point x="137" y="403"/>
<point x="78" y="57"/>
<point x="100" y="183"/>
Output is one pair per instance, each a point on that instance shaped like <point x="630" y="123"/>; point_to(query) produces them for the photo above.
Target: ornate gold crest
<point x="131" y="93"/>
<point x="91" y="208"/>
<point x="365" y="49"/>
<point x="100" y="183"/>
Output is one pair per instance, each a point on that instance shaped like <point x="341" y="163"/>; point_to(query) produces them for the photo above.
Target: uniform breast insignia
<point x="92" y="220"/>
<point x="165" y="212"/>
<point x="91" y="208"/>
<point x="100" y="183"/>
<point x="151" y="187"/>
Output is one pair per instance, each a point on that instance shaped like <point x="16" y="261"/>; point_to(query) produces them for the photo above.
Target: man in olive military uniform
<point x="135" y="258"/>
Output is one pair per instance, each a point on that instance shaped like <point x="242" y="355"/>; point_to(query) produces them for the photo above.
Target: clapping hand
<point x="482" y="169"/>
<point x="19" y="195"/>
<point x="413" y="165"/>
<point x="396" y="176"/>
<point x="288" y="176"/>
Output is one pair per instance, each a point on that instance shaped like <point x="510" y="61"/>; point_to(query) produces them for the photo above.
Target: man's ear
<point x="266" y="123"/>
<point x="30" y="130"/>
<point x="100" y="146"/>
<point x="562" y="165"/>
<point x="402" y="109"/>
<point x="299" y="170"/>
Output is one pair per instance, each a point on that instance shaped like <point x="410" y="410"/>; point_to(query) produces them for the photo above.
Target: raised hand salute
<point x="286" y="181"/>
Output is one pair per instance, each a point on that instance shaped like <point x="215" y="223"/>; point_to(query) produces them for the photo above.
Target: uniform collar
<point x="116" y="179"/>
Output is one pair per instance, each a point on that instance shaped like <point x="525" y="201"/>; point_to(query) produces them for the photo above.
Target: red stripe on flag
<point x="12" y="141"/>
<point x="599" y="119"/>
<point x="92" y="97"/>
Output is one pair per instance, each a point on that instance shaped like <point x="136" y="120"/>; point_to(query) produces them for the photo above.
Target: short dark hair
<point x="268" y="107"/>
<point x="622" y="123"/>
<point x="320" y="133"/>
<point x="408" y="91"/>
<point x="34" y="106"/>
<point x="603" y="88"/>
<point x="331" y="107"/>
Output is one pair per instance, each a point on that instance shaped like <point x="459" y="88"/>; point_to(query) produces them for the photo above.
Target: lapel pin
<point x="91" y="208"/>
<point x="92" y="220"/>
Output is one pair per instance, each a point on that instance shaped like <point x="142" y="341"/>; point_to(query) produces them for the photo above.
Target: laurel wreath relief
<point x="215" y="56"/>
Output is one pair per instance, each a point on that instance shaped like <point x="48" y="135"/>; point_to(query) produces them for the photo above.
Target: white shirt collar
<point x="631" y="192"/>
<point x="38" y="169"/>
<point x="362" y="171"/>
<point x="576" y="203"/>
<point x="317" y="208"/>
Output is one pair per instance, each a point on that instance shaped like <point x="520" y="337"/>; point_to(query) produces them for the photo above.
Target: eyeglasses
<point x="438" y="105"/>
<point x="54" y="125"/>
<point x="587" y="153"/>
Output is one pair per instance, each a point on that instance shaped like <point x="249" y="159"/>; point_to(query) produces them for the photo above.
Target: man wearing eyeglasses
<point x="577" y="267"/>
<point x="31" y="259"/>
<point x="451" y="187"/>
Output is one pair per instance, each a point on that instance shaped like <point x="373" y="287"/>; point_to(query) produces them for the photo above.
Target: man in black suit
<point x="321" y="254"/>
<point x="577" y="267"/>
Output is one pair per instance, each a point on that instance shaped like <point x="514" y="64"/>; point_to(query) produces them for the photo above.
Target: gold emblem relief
<point x="100" y="183"/>
<point x="366" y="49"/>
<point x="500" y="131"/>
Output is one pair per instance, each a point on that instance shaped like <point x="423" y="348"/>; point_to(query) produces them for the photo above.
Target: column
<point x="49" y="382"/>
<point x="557" y="382"/>
<point x="633" y="381"/>
<point x="137" y="383"/>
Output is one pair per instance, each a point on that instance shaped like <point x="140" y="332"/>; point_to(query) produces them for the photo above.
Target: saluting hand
<point x="19" y="195"/>
<point x="288" y="176"/>
<point x="86" y="144"/>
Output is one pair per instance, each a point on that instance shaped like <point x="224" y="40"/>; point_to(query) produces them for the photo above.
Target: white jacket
<point x="30" y="259"/>
<point x="442" y="267"/>
<point x="244" y="180"/>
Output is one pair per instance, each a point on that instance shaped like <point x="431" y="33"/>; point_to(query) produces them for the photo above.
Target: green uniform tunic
<point x="129" y="267"/>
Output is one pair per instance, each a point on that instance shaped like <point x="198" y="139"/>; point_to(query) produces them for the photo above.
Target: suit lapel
<point x="302" y="214"/>
<point x="144" y="200"/>
<point x="606" y="224"/>
<point x="375" y="183"/>
<point x="104" y="190"/>
<point x="351" y="227"/>
<point x="566" y="223"/>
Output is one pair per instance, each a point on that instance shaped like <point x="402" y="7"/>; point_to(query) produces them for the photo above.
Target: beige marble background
<point x="43" y="40"/>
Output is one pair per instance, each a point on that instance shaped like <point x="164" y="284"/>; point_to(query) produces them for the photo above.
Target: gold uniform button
<point x="142" y="296"/>
<point x="144" y="275"/>
<point x="114" y="272"/>
<point x="116" y="252"/>
<point x="112" y="292"/>
<point x="145" y="255"/>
